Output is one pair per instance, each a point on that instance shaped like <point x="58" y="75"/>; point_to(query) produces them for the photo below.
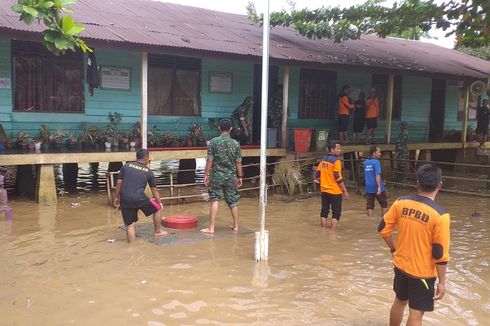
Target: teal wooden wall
<point x="5" y="94"/>
<point x="415" y="103"/>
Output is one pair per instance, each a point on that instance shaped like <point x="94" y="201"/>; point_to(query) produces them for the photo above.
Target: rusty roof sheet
<point x="166" y="25"/>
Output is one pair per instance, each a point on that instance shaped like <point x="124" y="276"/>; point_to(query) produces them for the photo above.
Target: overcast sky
<point x="239" y="7"/>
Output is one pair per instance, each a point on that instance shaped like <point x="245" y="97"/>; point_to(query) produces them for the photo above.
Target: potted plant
<point x="134" y="135"/>
<point x="114" y="119"/>
<point x="274" y="119"/>
<point x="44" y="135"/>
<point x="89" y="136"/>
<point x="195" y="136"/>
<point x="22" y="140"/>
<point x="123" y="138"/>
<point x="57" y="138"/>
<point x="108" y="135"/>
<point x="36" y="141"/>
<point x="72" y="141"/>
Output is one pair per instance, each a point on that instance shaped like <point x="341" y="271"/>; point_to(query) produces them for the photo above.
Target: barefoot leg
<point x="131" y="232"/>
<point x="234" y="214"/>
<point x="212" y="217"/>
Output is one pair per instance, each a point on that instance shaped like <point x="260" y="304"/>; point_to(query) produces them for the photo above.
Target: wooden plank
<point x="285" y="99"/>
<point x="389" y="106"/>
<point x="60" y="158"/>
<point x="465" y="112"/>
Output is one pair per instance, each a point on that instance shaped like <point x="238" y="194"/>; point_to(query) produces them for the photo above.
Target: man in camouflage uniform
<point x="402" y="153"/>
<point x="240" y="123"/>
<point x="223" y="174"/>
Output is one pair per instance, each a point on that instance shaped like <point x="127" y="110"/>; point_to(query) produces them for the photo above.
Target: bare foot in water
<point x="207" y="231"/>
<point x="160" y="234"/>
<point x="234" y="228"/>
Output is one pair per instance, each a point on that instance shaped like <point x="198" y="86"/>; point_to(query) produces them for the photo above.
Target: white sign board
<point x="118" y="78"/>
<point x="5" y="83"/>
<point x="220" y="82"/>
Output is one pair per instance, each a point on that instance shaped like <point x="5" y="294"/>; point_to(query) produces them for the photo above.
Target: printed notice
<point x="118" y="78"/>
<point x="220" y="82"/>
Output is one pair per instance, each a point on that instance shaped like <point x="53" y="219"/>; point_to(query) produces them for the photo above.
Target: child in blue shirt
<point x="374" y="185"/>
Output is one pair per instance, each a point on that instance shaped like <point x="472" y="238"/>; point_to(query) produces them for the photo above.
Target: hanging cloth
<point x="93" y="78"/>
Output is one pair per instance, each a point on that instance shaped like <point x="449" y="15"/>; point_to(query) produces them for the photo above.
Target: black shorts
<point x="482" y="128"/>
<point x="371" y="123"/>
<point x="130" y="215"/>
<point x="383" y="202"/>
<point x="331" y="201"/>
<point x="358" y="126"/>
<point x="343" y="123"/>
<point x="418" y="291"/>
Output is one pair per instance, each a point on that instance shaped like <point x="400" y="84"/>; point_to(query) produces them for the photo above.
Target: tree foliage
<point x="468" y="19"/>
<point x="482" y="53"/>
<point x="62" y="32"/>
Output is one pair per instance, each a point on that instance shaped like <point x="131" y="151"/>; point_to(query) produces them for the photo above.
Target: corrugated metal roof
<point x="168" y="25"/>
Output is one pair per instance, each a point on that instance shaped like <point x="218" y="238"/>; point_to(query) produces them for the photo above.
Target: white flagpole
<point x="262" y="237"/>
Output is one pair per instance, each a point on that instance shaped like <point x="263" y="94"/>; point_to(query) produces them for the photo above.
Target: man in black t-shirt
<point x="482" y="120"/>
<point x="130" y="194"/>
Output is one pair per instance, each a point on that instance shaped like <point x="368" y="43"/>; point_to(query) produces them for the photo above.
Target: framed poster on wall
<point x="220" y="82"/>
<point x="115" y="78"/>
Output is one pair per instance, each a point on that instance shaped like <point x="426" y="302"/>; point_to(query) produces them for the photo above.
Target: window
<point x="317" y="94"/>
<point x="380" y="82"/>
<point x="44" y="82"/>
<point x="173" y="85"/>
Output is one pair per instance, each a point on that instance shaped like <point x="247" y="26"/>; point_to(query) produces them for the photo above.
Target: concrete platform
<point x="179" y="236"/>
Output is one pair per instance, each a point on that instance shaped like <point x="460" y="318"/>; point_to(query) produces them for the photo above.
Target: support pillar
<point x="389" y="106"/>
<point x="464" y="127"/>
<point x="144" y="100"/>
<point x="285" y="100"/>
<point x="45" y="185"/>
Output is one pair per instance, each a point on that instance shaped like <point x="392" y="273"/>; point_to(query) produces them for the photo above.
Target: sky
<point x="239" y="7"/>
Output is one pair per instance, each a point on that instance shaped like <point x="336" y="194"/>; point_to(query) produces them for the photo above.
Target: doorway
<point x="437" y="110"/>
<point x="273" y="77"/>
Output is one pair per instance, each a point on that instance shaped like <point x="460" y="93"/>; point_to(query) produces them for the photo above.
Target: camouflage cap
<point x="249" y="99"/>
<point x="403" y="124"/>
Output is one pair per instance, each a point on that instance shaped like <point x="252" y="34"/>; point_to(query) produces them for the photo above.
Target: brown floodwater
<point x="59" y="269"/>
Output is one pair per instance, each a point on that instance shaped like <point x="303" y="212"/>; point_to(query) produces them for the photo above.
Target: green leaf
<point x="18" y="8"/>
<point x="64" y="3"/>
<point x="30" y="10"/>
<point x="67" y="24"/>
<point x="76" y="30"/>
<point x="46" y="4"/>
<point x="50" y="36"/>
<point x="61" y="43"/>
<point x="26" y="18"/>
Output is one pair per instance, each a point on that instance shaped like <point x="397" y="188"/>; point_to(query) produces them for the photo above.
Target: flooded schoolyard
<point x="59" y="269"/>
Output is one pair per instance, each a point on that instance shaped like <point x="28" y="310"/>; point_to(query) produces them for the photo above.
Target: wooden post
<point x="389" y="106"/>
<point x="285" y="99"/>
<point x="45" y="185"/>
<point x="464" y="127"/>
<point x="144" y="100"/>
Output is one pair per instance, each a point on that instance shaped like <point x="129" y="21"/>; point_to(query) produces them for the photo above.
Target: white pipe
<point x="263" y="131"/>
<point x="144" y="100"/>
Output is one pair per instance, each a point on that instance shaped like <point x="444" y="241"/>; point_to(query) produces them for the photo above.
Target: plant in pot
<point x="44" y="135"/>
<point x="37" y="142"/>
<point x="123" y="138"/>
<point x="114" y="119"/>
<point x="154" y="137"/>
<point x="58" y="137"/>
<point x="22" y="140"/>
<point x="72" y="141"/>
<point x="90" y="135"/>
<point x="169" y="140"/>
<point x="195" y="136"/>
<point x="134" y="135"/>
<point x="108" y="135"/>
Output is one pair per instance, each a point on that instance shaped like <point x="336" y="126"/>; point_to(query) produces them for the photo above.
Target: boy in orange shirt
<point x="372" y="114"/>
<point x="329" y="176"/>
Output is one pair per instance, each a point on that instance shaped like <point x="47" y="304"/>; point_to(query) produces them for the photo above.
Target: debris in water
<point x="73" y="205"/>
<point x="476" y="214"/>
<point x="29" y="302"/>
<point x="111" y="240"/>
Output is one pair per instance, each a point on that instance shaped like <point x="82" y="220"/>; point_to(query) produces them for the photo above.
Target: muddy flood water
<point x="59" y="269"/>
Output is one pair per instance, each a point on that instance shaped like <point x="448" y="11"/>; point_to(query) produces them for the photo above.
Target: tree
<point x="62" y="32"/>
<point x="468" y="19"/>
<point x="482" y="53"/>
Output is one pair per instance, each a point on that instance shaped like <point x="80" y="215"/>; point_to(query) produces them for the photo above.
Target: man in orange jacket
<point x="345" y="106"/>
<point x="422" y="247"/>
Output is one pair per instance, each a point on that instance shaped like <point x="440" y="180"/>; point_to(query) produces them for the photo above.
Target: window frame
<point x="325" y="78"/>
<point x="177" y="63"/>
<point x="36" y="51"/>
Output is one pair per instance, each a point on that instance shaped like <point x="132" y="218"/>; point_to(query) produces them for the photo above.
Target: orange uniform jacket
<point x="372" y="108"/>
<point x="330" y="173"/>
<point x="345" y="105"/>
<point x="423" y="235"/>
